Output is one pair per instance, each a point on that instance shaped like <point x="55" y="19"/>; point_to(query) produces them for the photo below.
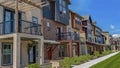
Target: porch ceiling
<point x="23" y="5"/>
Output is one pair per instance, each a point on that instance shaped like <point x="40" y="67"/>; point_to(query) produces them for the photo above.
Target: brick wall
<point x="51" y="33"/>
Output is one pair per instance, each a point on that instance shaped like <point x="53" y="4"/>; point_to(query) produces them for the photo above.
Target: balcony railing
<point x="8" y="27"/>
<point x="68" y="36"/>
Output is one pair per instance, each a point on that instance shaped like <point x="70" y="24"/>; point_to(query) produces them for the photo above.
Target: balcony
<point x="8" y="27"/>
<point x="68" y="36"/>
<point x="77" y="23"/>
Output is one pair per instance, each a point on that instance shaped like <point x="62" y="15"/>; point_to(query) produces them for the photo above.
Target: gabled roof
<point x="87" y="17"/>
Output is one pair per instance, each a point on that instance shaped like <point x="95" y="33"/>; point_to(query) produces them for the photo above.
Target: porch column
<point x="79" y="49"/>
<point x="16" y="51"/>
<point x="104" y="48"/>
<point x="41" y="51"/>
<point x="16" y="16"/>
<point x="70" y="49"/>
<point x="0" y="53"/>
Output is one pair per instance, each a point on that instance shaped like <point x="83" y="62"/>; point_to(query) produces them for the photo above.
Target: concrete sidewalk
<point x="95" y="61"/>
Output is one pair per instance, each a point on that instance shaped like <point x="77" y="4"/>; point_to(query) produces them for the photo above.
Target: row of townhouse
<point x="67" y="34"/>
<point x="37" y="31"/>
<point x="115" y="43"/>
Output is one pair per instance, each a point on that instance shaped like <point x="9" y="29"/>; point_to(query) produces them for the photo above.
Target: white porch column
<point x="41" y="51"/>
<point x="16" y="51"/>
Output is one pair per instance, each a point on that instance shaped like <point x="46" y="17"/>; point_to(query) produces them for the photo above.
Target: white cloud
<point x="112" y="26"/>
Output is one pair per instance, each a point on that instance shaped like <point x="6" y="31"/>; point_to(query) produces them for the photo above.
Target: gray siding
<point x="53" y="12"/>
<point x="64" y="20"/>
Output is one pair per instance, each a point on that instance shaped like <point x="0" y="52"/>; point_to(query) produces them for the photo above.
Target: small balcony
<point x="68" y="36"/>
<point x="8" y="27"/>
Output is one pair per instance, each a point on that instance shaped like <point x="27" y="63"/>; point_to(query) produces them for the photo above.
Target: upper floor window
<point x="78" y="21"/>
<point x="48" y="26"/>
<point x="35" y="20"/>
<point x="62" y="6"/>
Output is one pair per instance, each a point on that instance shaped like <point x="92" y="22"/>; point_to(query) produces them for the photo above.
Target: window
<point x="48" y="26"/>
<point x="78" y="21"/>
<point x="62" y="6"/>
<point x="35" y="20"/>
<point x="7" y="54"/>
<point x="34" y="25"/>
<point x="61" y="51"/>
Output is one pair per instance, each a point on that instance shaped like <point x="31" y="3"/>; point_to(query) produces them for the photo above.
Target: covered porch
<point x="95" y="47"/>
<point x="17" y="50"/>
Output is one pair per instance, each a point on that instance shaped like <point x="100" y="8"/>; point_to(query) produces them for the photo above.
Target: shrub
<point x="66" y="62"/>
<point x="106" y="52"/>
<point x="34" y="66"/>
<point x="97" y="54"/>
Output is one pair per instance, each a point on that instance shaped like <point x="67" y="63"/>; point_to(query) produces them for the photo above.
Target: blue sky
<point x="105" y="12"/>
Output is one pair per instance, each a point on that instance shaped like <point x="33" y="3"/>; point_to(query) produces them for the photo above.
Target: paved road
<point x="95" y="61"/>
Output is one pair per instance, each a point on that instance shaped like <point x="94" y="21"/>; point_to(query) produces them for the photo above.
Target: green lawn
<point x="112" y="62"/>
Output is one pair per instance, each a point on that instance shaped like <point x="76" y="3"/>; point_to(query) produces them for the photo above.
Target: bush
<point x="34" y="66"/>
<point x="106" y="52"/>
<point x="67" y="61"/>
<point x="97" y="54"/>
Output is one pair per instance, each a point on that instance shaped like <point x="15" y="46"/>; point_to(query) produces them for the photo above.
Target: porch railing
<point x="68" y="36"/>
<point x="27" y="27"/>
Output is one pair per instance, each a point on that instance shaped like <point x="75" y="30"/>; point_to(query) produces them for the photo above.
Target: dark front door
<point x="32" y="54"/>
<point x="49" y="53"/>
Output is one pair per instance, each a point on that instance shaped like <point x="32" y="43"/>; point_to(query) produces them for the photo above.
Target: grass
<point x="112" y="62"/>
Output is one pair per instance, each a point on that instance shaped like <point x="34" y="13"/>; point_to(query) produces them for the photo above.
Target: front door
<point x="49" y="53"/>
<point x="31" y="54"/>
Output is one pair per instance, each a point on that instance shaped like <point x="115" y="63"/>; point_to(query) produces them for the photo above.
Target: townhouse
<point x="107" y="41"/>
<point x="87" y="28"/>
<point x="115" y="43"/>
<point x="21" y="37"/>
<point x="55" y="20"/>
<point x="76" y="26"/>
<point x="96" y="39"/>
